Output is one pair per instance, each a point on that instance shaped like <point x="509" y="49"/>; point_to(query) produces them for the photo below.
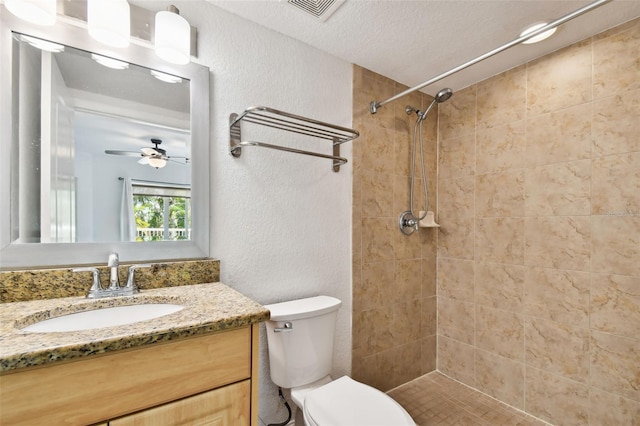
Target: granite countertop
<point x="208" y="308"/>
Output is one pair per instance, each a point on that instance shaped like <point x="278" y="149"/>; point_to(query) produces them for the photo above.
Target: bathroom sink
<point x="106" y="317"/>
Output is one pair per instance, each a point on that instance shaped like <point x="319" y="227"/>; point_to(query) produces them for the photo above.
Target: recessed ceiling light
<point x="110" y="62"/>
<point x="533" y="27"/>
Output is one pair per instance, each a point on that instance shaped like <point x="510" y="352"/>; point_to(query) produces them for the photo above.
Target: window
<point x="162" y="211"/>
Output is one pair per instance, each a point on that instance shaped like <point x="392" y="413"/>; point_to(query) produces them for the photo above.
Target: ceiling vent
<point x="319" y="9"/>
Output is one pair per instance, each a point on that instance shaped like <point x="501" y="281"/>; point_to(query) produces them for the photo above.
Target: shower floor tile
<point x="435" y="399"/>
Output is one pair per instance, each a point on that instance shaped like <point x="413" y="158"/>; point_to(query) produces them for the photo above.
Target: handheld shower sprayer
<point x="408" y="220"/>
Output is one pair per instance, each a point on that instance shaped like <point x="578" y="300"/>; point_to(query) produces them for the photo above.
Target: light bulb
<point x="109" y="22"/>
<point x="158" y="163"/>
<point x="42" y="44"/>
<point x="39" y="12"/>
<point x="539" y="37"/>
<point x="173" y="37"/>
<point x="110" y="62"/>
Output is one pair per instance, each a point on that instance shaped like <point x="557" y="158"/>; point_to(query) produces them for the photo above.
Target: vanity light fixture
<point x="533" y="27"/>
<point x="109" y="22"/>
<point x="39" y="12"/>
<point x="42" y="44"/>
<point x="110" y="62"/>
<point x="157" y="162"/>
<point x="167" y="78"/>
<point x="173" y="36"/>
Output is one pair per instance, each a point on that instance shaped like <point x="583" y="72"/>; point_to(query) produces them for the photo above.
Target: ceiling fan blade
<point x="126" y="153"/>
<point x="184" y="163"/>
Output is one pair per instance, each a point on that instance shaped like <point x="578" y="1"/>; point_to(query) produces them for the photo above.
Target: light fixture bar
<point x="142" y="21"/>
<point x="373" y="106"/>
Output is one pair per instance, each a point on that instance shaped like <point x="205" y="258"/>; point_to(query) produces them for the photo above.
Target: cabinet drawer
<point x="227" y="406"/>
<point x="103" y="387"/>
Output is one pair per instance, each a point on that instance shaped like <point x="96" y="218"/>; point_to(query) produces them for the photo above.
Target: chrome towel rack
<point x="291" y="123"/>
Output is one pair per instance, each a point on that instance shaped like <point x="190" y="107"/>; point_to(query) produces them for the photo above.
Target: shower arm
<point x="373" y="106"/>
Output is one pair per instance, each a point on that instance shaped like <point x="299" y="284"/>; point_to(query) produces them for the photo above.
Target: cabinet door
<point x="226" y="406"/>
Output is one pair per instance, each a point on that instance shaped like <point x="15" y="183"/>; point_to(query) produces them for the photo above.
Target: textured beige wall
<point x="394" y="289"/>
<point x="539" y="251"/>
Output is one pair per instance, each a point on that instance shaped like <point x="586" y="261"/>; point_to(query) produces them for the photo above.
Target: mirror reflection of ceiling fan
<point x="155" y="157"/>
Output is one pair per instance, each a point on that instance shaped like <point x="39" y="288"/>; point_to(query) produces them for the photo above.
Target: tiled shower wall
<point x="394" y="287"/>
<point x="539" y="250"/>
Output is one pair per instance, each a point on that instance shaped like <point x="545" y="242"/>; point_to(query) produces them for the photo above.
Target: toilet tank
<point x="301" y="354"/>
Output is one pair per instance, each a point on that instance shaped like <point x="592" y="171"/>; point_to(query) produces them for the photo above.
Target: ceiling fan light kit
<point x="155" y="157"/>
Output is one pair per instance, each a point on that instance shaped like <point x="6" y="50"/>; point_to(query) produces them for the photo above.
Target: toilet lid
<point x="345" y="402"/>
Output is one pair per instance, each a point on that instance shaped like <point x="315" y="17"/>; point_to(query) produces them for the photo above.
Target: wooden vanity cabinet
<point x="205" y="380"/>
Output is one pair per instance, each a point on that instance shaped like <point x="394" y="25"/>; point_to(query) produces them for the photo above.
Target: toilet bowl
<point x="300" y="339"/>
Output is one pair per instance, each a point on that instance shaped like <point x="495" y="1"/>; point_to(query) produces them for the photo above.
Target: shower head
<point x="443" y="95"/>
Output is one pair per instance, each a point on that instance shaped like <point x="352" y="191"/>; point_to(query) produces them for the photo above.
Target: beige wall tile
<point x="500" y="377"/>
<point x="429" y="270"/>
<point x="500" y="194"/>
<point x="559" y="136"/>
<point x="455" y="279"/>
<point x="456" y="197"/>
<point x="407" y="362"/>
<point x="377" y="194"/>
<point x="500" y="240"/>
<point x="500" y="332"/>
<point x="556" y="400"/>
<point x="406" y="246"/>
<point x="500" y="148"/>
<point x="408" y="280"/>
<point x="372" y="330"/>
<point x="456" y="237"/>
<point x="615" y="124"/>
<point x="457" y="157"/>
<point x="558" y="295"/>
<point x="377" y="156"/>
<point x="608" y="409"/>
<point x="406" y="325"/>
<point x="375" y="287"/>
<point x="616" y="61"/>
<point x="615" y="184"/>
<point x="616" y="244"/>
<point x="502" y="98"/>
<point x="428" y="354"/>
<point x="558" y="190"/>
<point x="499" y="286"/>
<point x="614" y="364"/>
<point x="559" y="80"/>
<point x="557" y="348"/>
<point x="562" y="242"/>
<point x="429" y="316"/>
<point x="458" y="115"/>
<point x="456" y="320"/>
<point x="377" y="237"/>
<point x="456" y="360"/>
<point x="615" y="304"/>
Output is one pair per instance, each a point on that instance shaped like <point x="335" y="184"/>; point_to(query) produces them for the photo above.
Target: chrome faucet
<point x="113" y="263"/>
<point x="97" y="291"/>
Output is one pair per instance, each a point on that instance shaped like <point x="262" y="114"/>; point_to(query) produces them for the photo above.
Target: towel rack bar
<point x="280" y="120"/>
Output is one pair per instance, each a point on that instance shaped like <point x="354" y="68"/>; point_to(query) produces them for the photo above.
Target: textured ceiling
<point x="414" y="41"/>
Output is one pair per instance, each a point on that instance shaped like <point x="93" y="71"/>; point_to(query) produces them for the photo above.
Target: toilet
<point x="300" y="339"/>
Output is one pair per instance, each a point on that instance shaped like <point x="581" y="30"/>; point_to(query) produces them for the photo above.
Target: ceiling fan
<point x="155" y="157"/>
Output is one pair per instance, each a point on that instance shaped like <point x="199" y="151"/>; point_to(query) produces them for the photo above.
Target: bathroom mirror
<point x="75" y="134"/>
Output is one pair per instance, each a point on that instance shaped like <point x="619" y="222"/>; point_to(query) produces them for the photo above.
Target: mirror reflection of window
<point x="161" y="211"/>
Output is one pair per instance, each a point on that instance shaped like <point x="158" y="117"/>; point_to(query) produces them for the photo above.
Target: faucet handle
<point x="131" y="283"/>
<point x="96" y="287"/>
